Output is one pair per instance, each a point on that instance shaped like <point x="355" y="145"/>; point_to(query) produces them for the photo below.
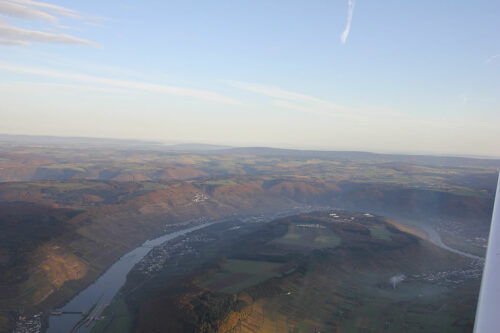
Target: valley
<point x="260" y="280"/>
<point x="77" y="224"/>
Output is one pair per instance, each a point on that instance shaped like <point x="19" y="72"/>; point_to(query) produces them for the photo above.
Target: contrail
<point x="350" y="11"/>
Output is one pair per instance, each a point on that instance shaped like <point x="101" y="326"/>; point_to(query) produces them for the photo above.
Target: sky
<point x="381" y="76"/>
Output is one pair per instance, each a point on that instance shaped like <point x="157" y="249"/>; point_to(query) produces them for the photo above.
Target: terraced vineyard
<point x="322" y="271"/>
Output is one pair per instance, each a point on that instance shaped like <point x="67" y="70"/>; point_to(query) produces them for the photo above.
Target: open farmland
<point x="307" y="236"/>
<point x="380" y="232"/>
<point x="342" y="282"/>
<point x="237" y="274"/>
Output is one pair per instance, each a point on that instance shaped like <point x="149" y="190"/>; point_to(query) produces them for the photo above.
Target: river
<point x="435" y="238"/>
<point x="102" y="291"/>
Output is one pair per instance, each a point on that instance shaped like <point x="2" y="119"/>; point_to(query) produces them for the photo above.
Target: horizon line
<point x="166" y="143"/>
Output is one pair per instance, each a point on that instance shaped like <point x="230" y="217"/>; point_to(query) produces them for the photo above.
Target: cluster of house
<point x="171" y="227"/>
<point x="254" y="219"/>
<point x="472" y="271"/>
<point x="155" y="260"/>
<point x="200" y="197"/>
<point x="457" y="230"/>
<point x="31" y="324"/>
<point x="315" y="226"/>
<point x="338" y="218"/>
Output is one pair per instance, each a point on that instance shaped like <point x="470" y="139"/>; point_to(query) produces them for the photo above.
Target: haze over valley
<point x="259" y="166"/>
<point x="70" y="210"/>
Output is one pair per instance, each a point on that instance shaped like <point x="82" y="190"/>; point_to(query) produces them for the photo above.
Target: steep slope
<point x="108" y="218"/>
<point x="331" y="272"/>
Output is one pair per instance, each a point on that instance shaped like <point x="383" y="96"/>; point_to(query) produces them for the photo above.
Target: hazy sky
<point x="390" y="76"/>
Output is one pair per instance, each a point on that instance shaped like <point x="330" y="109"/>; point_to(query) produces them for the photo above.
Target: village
<point x="32" y="324"/>
<point x="454" y="277"/>
<point x="472" y="236"/>
<point x="155" y="260"/>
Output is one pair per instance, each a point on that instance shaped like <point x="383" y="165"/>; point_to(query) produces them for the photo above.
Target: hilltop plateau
<point x="331" y="271"/>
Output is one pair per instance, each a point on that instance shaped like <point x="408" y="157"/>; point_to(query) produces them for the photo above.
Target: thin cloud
<point x="300" y="108"/>
<point x="58" y="10"/>
<point x="134" y="85"/>
<point x="18" y="36"/>
<point x="321" y="111"/>
<point x="313" y="105"/>
<point x="39" y="11"/>
<point x="24" y="12"/>
<point x="490" y="59"/>
<point x="63" y="11"/>
<point x="281" y="94"/>
<point x="12" y="42"/>
<point x="347" y="29"/>
<point x="70" y="87"/>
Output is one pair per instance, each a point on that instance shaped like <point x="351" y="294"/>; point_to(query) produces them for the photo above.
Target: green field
<point x="380" y="232"/>
<point x="64" y="166"/>
<point x="221" y="182"/>
<point x="117" y="318"/>
<point x="306" y="237"/>
<point x="237" y="275"/>
<point x="407" y="308"/>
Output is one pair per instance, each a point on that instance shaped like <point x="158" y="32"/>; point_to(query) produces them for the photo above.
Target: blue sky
<point x="409" y="76"/>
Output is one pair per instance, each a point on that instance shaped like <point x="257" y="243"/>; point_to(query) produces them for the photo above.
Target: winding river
<point x="434" y="237"/>
<point x="101" y="292"/>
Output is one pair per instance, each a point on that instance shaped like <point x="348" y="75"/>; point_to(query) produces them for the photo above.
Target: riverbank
<point x="109" y="283"/>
